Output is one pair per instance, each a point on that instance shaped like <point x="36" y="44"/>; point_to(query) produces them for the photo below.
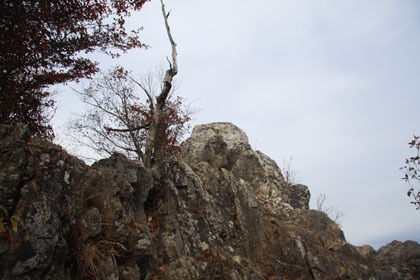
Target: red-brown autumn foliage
<point x="412" y="172"/>
<point x="40" y="45"/>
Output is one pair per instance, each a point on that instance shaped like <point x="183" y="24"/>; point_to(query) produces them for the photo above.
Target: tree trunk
<point x="153" y="151"/>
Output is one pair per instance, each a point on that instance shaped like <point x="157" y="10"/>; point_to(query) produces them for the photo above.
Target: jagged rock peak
<point x="232" y="135"/>
<point x="224" y="145"/>
<point x="219" y="137"/>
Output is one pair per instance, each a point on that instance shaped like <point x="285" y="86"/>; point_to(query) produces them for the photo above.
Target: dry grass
<point x="94" y="256"/>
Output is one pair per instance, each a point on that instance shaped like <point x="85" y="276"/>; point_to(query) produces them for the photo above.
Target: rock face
<point x="218" y="211"/>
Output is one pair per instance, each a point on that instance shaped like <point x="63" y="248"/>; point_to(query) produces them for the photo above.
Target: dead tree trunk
<point x="154" y="149"/>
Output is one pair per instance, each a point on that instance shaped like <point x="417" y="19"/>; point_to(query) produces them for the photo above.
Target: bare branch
<point x="148" y="94"/>
<point x="333" y="212"/>
<point x="171" y="40"/>
<point x="291" y="176"/>
<point x="139" y="127"/>
<point x="173" y="67"/>
<point x="412" y="173"/>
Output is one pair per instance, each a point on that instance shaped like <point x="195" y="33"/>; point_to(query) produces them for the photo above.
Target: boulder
<point x="195" y="149"/>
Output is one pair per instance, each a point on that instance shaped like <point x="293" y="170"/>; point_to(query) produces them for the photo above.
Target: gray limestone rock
<point x="91" y="222"/>
<point x="217" y="211"/>
<point x="398" y="251"/>
<point x="130" y="272"/>
<point x="194" y="148"/>
<point x="300" y="196"/>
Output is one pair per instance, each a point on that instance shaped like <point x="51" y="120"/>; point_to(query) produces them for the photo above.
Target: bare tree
<point x="333" y="212"/>
<point x="148" y="127"/>
<point x="119" y="117"/>
<point x="291" y="176"/>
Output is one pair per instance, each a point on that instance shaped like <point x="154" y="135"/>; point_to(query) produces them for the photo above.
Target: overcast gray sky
<point x="333" y="84"/>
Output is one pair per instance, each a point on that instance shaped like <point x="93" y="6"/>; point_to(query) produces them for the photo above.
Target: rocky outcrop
<point x="220" y="210"/>
<point x="78" y="222"/>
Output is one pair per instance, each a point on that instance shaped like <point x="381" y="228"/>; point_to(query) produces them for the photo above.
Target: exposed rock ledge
<point x="219" y="211"/>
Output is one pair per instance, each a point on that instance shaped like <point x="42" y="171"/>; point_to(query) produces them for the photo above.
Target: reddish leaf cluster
<point x="40" y="45"/>
<point x="412" y="172"/>
<point x="174" y="127"/>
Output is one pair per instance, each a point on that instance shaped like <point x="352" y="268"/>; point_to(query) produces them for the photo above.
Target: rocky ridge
<point x="220" y="210"/>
